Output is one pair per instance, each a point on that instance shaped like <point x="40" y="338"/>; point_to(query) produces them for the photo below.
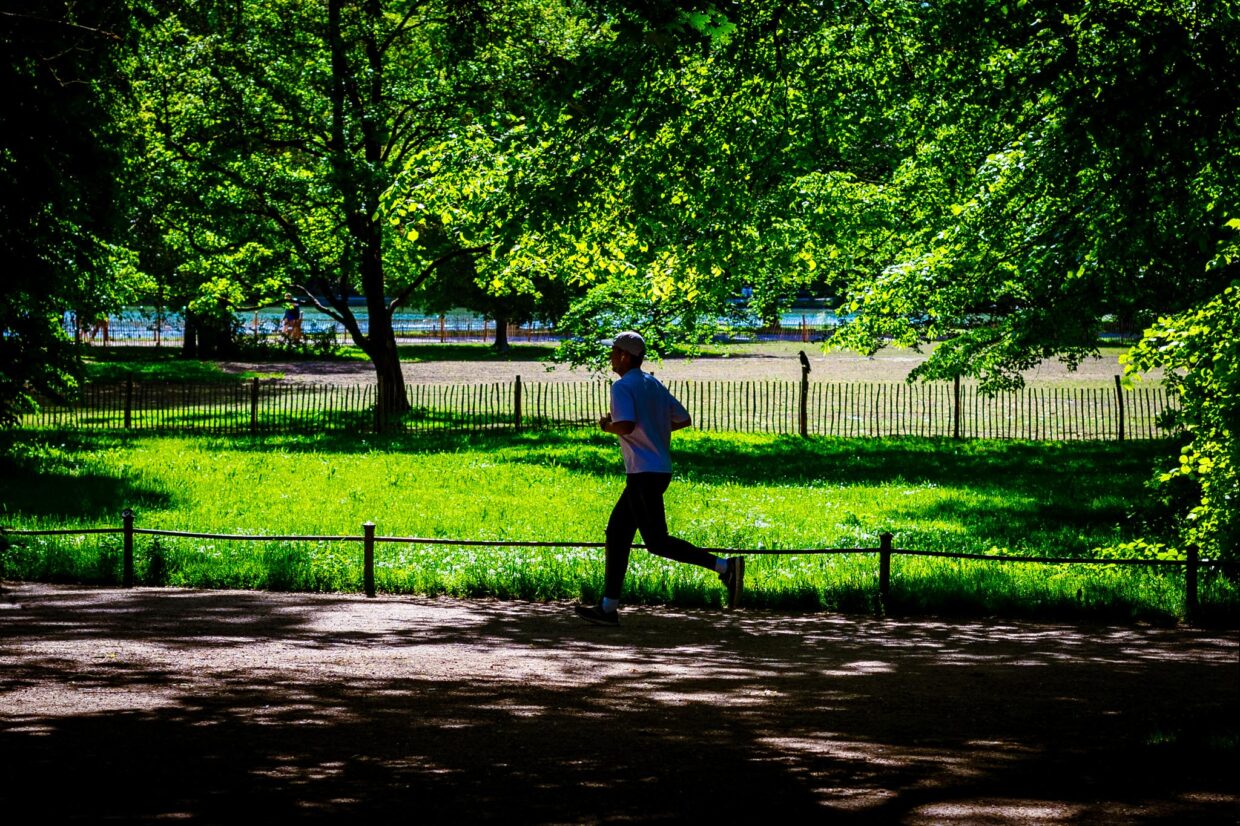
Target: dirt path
<point x="886" y="366"/>
<point x="200" y="706"/>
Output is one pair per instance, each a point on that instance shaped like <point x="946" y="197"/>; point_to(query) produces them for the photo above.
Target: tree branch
<point x="430" y="268"/>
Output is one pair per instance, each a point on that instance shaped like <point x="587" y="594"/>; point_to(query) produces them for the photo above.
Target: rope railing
<point x="1192" y="563"/>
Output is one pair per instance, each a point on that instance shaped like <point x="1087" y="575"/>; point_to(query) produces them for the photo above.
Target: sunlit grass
<point x="731" y="491"/>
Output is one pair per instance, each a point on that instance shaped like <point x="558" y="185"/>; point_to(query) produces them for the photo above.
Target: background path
<point x="892" y="365"/>
<point x="202" y="706"/>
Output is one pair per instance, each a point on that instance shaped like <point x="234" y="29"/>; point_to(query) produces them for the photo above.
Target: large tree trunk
<point x="208" y="337"/>
<point x="501" y="334"/>
<point x="392" y="399"/>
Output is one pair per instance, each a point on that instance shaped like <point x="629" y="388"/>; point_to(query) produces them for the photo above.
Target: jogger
<point x="644" y="415"/>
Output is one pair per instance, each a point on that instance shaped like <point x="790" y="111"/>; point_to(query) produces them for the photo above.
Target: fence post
<point x="884" y="568"/>
<point x="1119" y="398"/>
<point x="128" y="401"/>
<point x="956" y="407"/>
<point x="127" y="554"/>
<point x="254" y="405"/>
<point x="368" y="558"/>
<point x="516" y="403"/>
<point x="803" y="402"/>
<point x="1190" y="582"/>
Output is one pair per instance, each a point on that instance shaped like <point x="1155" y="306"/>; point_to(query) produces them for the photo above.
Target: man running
<point x="644" y="414"/>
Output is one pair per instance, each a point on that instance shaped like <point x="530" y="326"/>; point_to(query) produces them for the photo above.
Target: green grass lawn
<point x="115" y="364"/>
<point x="747" y="492"/>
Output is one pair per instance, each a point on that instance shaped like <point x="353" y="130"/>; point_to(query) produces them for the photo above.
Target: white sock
<point x="610" y="605"/>
<point x="721" y="565"/>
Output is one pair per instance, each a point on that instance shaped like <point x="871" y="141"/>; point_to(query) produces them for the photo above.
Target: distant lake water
<point x="146" y="323"/>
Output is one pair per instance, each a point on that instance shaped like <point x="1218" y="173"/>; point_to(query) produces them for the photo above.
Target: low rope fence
<point x="886" y="551"/>
<point x="845" y="409"/>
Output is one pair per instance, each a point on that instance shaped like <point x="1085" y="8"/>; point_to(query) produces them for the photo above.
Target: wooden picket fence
<point x="781" y="407"/>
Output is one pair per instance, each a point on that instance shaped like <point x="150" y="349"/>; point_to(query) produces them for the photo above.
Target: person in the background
<point x="292" y="319"/>
<point x="100" y="325"/>
<point x="643" y="415"/>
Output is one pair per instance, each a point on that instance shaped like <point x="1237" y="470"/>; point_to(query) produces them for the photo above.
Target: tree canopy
<point x="1005" y="178"/>
<point x="288" y="126"/>
<point x="1001" y="179"/>
<point x="58" y="217"/>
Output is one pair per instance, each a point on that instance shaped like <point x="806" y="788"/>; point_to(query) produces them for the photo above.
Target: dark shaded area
<point x="201" y="705"/>
<point x="115" y="364"/>
<point x="29" y="490"/>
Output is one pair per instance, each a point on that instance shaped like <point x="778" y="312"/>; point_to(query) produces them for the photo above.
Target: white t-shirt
<point x="640" y="398"/>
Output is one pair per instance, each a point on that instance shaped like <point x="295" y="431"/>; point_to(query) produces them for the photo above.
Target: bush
<point x="1200" y="352"/>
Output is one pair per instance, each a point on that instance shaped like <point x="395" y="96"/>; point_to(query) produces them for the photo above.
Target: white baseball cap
<point x="631" y="343"/>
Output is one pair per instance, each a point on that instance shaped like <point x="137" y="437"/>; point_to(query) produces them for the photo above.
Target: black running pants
<point x="640" y="508"/>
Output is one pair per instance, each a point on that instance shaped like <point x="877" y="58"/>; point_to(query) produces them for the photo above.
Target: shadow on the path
<point x="207" y="706"/>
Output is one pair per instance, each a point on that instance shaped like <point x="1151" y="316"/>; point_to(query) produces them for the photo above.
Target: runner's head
<point x="631" y="346"/>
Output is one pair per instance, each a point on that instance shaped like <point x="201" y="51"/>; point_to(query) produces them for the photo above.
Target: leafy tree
<point x="1199" y="349"/>
<point x="460" y="192"/>
<point x="709" y="152"/>
<point x="1079" y="154"/>
<point x="57" y="215"/>
<point x="1086" y="162"/>
<point x="277" y="132"/>
<point x="1001" y="176"/>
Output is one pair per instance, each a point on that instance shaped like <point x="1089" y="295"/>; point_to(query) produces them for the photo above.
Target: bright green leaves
<point x="1199" y="352"/>
<point x="1059" y="178"/>
<point x="713" y="24"/>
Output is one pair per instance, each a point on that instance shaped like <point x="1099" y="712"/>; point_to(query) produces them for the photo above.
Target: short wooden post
<point x="884" y="568"/>
<point x="127" y="554"/>
<point x="1119" y="399"/>
<point x="516" y="403"/>
<point x="368" y="558"/>
<point x="956" y="407"/>
<point x="254" y="405"/>
<point x="803" y="402"/>
<point x="1190" y="582"/>
<point x="129" y="401"/>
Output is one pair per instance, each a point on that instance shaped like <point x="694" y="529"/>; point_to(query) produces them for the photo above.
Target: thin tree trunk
<point x="360" y="198"/>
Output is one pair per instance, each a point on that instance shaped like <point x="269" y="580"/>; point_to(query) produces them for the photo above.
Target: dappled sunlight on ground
<point x="312" y="707"/>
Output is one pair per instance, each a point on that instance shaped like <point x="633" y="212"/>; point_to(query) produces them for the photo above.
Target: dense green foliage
<point x="288" y="126"/>
<point x="1004" y="177"/>
<point x="1008" y="175"/>
<point x="1092" y="159"/>
<point x="1201" y="350"/>
<point x="57" y="189"/>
